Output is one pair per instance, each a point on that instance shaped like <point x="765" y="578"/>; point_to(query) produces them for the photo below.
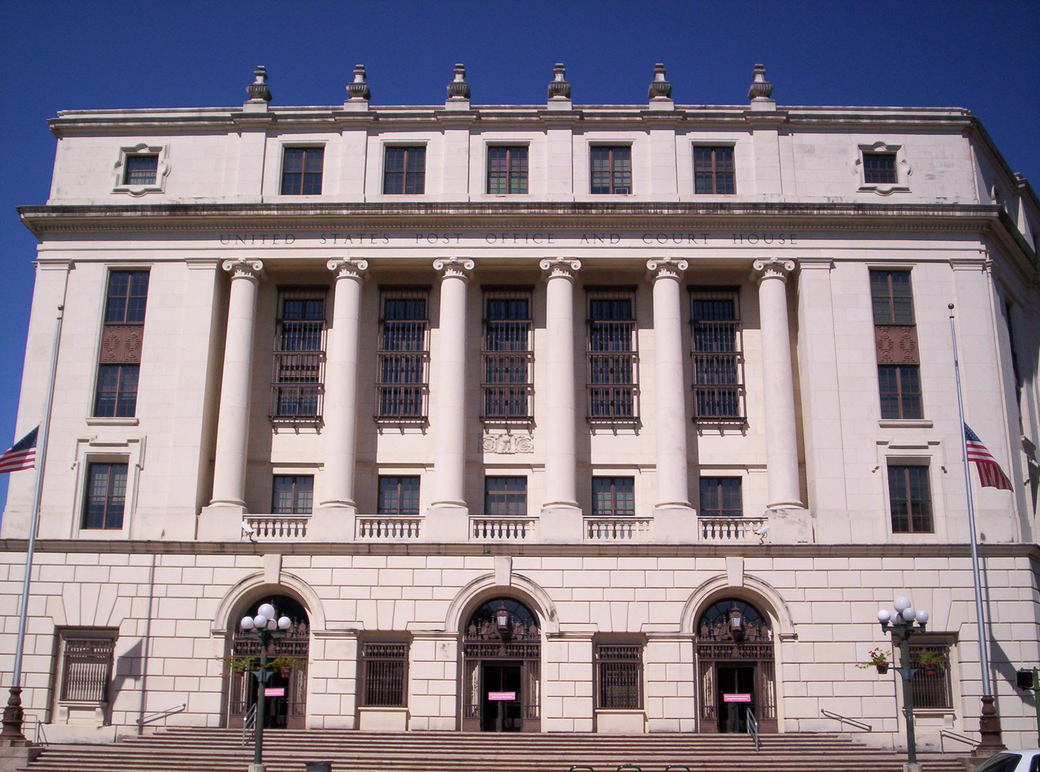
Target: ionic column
<point x="560" y="424"/>
<point x="781" y="439"/>
<point x="670" y="391"/>
<point x="229" y="465"/>
<point x="340" y="408"/>
<point x="450" y="359"/>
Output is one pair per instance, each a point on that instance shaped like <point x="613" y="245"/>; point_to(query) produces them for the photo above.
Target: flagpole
<point x="13" y="713"/>
<point x="989" y="721"/>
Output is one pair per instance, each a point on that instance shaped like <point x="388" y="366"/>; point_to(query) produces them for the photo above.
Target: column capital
<point x="667" y="267"/>
<point x="243" y="268"/>
<point x="772" y="268"/>
<point x="454" y="267"/>
<point x="560" y="267"/>
<point x="348" y="268"/>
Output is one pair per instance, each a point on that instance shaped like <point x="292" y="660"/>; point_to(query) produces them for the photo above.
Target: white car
<point x="1012" y="761"/>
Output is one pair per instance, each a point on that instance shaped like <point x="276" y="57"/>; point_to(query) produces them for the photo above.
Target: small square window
<point x="505" y="496"/>
<point x="404" y="170"/>
<point x="713" y="170"/>
<point x="292" y="494"/>
<point x="398" y="495"/>
<point x="611" y="169"/>
<point x="720" y="497"/>
<point x="880" y="169"/>
<point x="507" y="170"/>
<point x="302" y="171"/>
<point x="141" y="169"/>
<point x="613" y="496"/>
<point x="106" y="496"/>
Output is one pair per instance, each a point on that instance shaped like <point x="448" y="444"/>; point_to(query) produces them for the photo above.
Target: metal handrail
<point x="39" y="736"/>
<point x="150" y="717"/>
<point x="845" y="720"/>
<point x="954" y="736"/>
<point x="249" y="722"/>
<point x="752" y="729"/>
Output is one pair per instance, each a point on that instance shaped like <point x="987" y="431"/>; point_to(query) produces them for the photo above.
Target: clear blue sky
<point x="108" y="53"/>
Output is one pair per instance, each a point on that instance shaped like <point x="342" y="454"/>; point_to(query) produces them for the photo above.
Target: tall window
<point x="398" y="495"/>
<point x="302" y="171"/>
<point x="613" y="496"/>
<point x="619" y="676"/>
<point x="507" y="169"/>
<point x="507" y="355"/>
<point x="292" y="494"/>
<point x="910" y="498"/>
<point x="505" y="496"/>
<point x="384" y="674"/>
<point x="895" y="342"/>
<point x="85" y="659"/>
<point x="299" y="355"/>
<point x="713" y="170"/>
<point x="930" y="684"/>
<point x="611" y="169"/>
<point x="900" y="389"/>
<point x="720" y="497"/>
<point x="105" y="496"/>
<point x="403" y="355"/>
<point x="612" y="355"/>
<point x="718" y="388"/>
<point x="141" y="169"/>
<point x="115" y="394"/>
<point x="404" y="170"/>
<point x="879" y="168"/>
<point x="891" y="297"/>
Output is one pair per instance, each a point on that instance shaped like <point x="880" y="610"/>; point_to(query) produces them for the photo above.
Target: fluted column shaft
<point x="340" y="406"/>
<point x="229" y="466"/>
<point x="781" y="438"/>
<point x="669" y="391"/>
<point x="450" y="427"/>
<point x="560" y="429"/>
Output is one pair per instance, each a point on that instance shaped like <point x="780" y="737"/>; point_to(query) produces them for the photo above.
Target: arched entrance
<point x="501" y="653"/>
<point x="735" y="667"/>
<point x="286" y="690"/>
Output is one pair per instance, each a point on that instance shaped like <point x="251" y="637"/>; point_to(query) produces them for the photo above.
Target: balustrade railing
<point x="730" y="528"/>
<point x="487" y="528"/>
<point x="277" y="527"/>
<point x="617" y="528"/>
<point x="388" y="527"/>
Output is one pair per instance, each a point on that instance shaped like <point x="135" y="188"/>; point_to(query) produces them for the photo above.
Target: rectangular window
<point x="619" y="676"/>
<point x="507" y="355"/>
<point x="611" y="169"/>
<point x="505" y="496"/>
<point x="403" y="355"/>
<point x="713" y="170"/>
<point x="879" y="168"/>
<point x="292" y="494"/>
<point x="398" y="495"/>
<point x="384" y="674"/>
<point x="299" y="356"/>
<point x="910" y="498"/>
<point x="116" y="393"/>
<point x="302" y="171"/>
<point x="900" y="387"/>
<point x="127" y="297"/>
<point x="891" y="297"/>
<point x="612" y="355"/>
<point x="613" y="496"/>
<point x="141" y="169"/>
<point x="718" y="388"/>
<point x="105" y="496"/>
<point x="404" y="170"/>
<point x="86" y="658"/>
<point x="507" y="170"/>
<point x="930" y="685"/>
<point x="720" y="497"/>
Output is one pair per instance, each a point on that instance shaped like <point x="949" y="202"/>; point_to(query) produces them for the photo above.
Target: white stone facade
<point x="813" y="546"/>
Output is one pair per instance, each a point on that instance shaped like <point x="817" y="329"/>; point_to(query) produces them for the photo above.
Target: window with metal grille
<point x="505" y="496"/>
<point x="507" y="169"/>
<point x="404" y="349"/>
<point x="713" y="170"/>
<point x="398" y="495"/>
<point x="105" y="496"/>
<point x="613" y="496"/>
<point x="404" y="170"/>
<point x="384" y="674"/>
<point x="612" y="387"/>
<point x="302" y="171"/>
<point x="900" y="391"/>
<point x="86" y="666"/>
<point x="910" y="498"/>
<point x="720" y="497"/>
<point x="299" y="355"/>
<point x="930" y="684"/>
<point x="507" y="355"/>
<point x="718" y="384"/>
<point x="292" y="494"/>
<point x="891" y="297"/>
<point x="611" y="168"/>
<point x="141" y="169"/>
<point x="879" y="168"/>
<point x="619" y="672"/>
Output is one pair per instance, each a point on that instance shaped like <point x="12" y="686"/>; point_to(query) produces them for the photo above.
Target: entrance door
<point x="500" y="698"/>
<point x="736" y="684"/>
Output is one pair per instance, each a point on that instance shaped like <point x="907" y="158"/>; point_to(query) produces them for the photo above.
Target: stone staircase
<point x="286" y="750"/>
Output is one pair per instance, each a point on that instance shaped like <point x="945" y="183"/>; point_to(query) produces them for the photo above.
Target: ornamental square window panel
<point x="403" y="356"/>
<point x="610" y="169"/>
<point x="507" y="356"/>
<point x="713" y="170"/>
<point x="910" y="498"/>
<point x="398" y="495"/>
<point x="613" y="496"/>
<point x="507" y="169"/>
<point x="302" y="169"/>
<point x="105" y="497"/>
<point x="292" y="494"/>
<point x="717" y="354"/>
<point x="384" y="674"/>
<point x="612" y="388"/>
<point x="619" y="676"/>
<point x="404" y="170"/>
<point x="298" y="386"/>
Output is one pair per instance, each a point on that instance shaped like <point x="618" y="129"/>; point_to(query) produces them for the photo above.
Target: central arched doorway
<point x="286" y="690"/>
<point x="501" y="653"/>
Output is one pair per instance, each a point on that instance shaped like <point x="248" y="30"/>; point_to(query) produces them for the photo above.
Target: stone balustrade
<point x="730" y="529"/>
<point x="484" y="528"/>
<point x="277" y="527"/>
<point x="617" y="528"/>
<point x="388" y="528"/>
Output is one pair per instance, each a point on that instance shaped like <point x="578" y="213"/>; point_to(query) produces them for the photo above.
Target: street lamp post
<point x="266" y="627"/>
<point x="903" y="623"/>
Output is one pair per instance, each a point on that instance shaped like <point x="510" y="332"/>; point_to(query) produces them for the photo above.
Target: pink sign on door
<point x="501" y="696"/>
<point x="736" y="697"/>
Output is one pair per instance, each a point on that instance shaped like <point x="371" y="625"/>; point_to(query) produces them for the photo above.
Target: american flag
<point x="990" y="473"/>
<point x="21" y="455"/>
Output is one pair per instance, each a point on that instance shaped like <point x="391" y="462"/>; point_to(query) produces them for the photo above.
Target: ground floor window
<point x="930" y="684"/>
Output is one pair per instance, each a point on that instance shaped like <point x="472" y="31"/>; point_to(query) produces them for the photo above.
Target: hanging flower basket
<point x="876" y="659"/>
<point x="882" y="667"/>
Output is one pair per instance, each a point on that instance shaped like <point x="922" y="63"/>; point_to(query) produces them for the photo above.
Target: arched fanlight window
<point x="735" y="620"/>
<point x="505" y="619"/>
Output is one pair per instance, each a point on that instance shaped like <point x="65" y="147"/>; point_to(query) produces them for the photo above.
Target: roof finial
<point x="559" y="88"/>
<point x="760" y="87"/>
<point x="258" y="90"/>
<point x="660" y="88"/>
<point x="458" y="89"/>
<point x="359" y="90"/>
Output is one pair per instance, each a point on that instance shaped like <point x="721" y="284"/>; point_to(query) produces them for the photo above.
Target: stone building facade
<point x="520" y="412"/>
